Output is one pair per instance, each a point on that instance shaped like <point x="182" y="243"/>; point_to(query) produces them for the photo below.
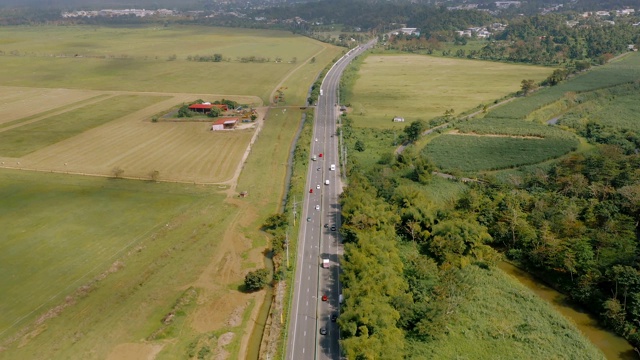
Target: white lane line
<point x="305" y="333"/>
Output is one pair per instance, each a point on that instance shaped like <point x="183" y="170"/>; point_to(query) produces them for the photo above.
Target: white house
<point x="398" y="119"/>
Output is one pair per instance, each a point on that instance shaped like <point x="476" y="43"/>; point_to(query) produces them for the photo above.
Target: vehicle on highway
<point x="333" y="228"/>
<point x="317" y="207"/>
<point x="310" y="191"/>
<point x="314" y="158"/>
<point x="333" y="167"/>
<point x="325" y="263"/>
<point x="308" y="219"/>
<point x="323" y="331"/>
<point x="334" y="317"/>
<point x="326" y="226"/>
<point x="318" y="186"/>
<point x="325" y="298"/>
<point x="320" y="155"/>
<point x="318" y="169"/>
<point x="326" y="182"/>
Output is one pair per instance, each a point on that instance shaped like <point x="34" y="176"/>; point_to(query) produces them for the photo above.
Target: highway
<point x="318" y="238"/>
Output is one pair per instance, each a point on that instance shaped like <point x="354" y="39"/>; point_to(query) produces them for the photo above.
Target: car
<point x="310" y="191"/>
<point x="325" y="298"/>
<point x="318" y="186"/>
<point x="323" y="331"/>
<point x="334" y="317"/>
<point x="318" y="169"/>
<point x="333" y="228"/>
<point x="320" y="155"/>
<point x="308" y="219"/>
<point x="317" y="207"/>
<point x="326" y="226"/>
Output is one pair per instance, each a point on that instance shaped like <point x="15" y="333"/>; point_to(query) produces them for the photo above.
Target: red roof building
<point x="205" y="108"/>
<point x="225" y="123"/>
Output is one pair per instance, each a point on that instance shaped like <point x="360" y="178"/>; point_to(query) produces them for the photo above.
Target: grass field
<point x="423" y="87"/>
<point x="117" y="131"/>
<point x="77" y="224"/>
<point x="137" y="58"/>
<point x="502" y="320"/>
<point x="618" y="72"/>
<point x="28" y="138"/>
<point x="62" y="231"/>
<point x="476" y="153"/>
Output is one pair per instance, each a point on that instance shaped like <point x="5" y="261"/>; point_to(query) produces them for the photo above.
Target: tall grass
<point x="502" y="320"/>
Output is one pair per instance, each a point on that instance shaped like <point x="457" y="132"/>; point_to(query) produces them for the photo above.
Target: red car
<point x="325" y="298"/>
<point x="311" y="191"/>
<point x="320" y="155"/>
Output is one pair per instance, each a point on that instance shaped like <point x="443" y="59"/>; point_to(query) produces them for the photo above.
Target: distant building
<point x="410" y="31"/>
<point x="398" y="119"/>
<point x="206" y="107"/>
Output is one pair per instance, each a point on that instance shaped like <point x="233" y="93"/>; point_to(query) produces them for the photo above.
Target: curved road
<point x="308" y="312"/>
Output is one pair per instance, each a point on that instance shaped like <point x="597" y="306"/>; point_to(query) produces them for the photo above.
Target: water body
<point x="613" y="346"/>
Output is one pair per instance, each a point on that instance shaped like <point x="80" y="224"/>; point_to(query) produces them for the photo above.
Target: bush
<point x="256" y="280"/>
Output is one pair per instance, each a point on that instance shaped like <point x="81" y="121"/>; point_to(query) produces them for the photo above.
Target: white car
<point x="318" y="186"/>
<point x="317" y="207"/>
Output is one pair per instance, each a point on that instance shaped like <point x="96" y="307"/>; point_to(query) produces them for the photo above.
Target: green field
<point x="618" y="72"/>
<point x="477" y="153"/>
<point x="30" y="137"/>
<point x="140" y="58"/>
<point x="502" y="320"/>
<point x="423" y="87"/>
<point x="62" y="231"/>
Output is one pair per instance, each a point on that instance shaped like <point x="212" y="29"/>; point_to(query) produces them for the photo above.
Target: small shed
<point x="225" y="123"/>
<point x="398" y="119"/>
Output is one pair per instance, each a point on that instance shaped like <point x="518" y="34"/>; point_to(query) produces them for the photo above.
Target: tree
<point x="217" y="57"/>
<point x="557" y="76"/>
<point x="359" y="146"/>
<point x="184" y="111"/>
<point x="154" y="174"/>
<point x="256" y="280"/>
<point x="528" y="86"/>
<point x="117" y="172"/>
<point x="313" y="60"/>
<point x="414" y="130"/>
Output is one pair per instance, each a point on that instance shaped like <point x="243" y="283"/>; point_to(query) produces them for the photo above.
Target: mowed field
<point x="94" y="264"/>
<point x="424" y="87"/>
<point x="153" y="58"/>
<point x="114" y="129"/>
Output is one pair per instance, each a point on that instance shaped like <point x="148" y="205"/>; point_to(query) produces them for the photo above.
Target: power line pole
<point x="295" y="206"/>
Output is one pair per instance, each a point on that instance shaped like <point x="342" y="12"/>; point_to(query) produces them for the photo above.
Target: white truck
<point x="320" y="92"/>
<point x="333" y="167"/>
<point x="325" y="263"/>
<point x="326" y="182"/>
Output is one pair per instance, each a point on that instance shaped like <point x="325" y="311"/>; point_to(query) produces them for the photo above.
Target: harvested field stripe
<point x="45" y="114"/>
<point x="34" y="136"/>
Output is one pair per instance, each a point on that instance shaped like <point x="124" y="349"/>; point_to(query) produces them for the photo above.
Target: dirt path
<point x="273" y="93"/>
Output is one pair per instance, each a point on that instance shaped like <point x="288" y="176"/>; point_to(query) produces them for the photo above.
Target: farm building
<point x="206" y="107"/>
<point x="398" y="119"/>
<point x="227" y="123"/>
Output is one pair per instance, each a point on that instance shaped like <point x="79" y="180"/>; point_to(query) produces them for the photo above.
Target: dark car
<point x="334" y="317"/>
<point x="323" y="331"/>
<point x="326" y="226"/>
<point x="333" y="228"/>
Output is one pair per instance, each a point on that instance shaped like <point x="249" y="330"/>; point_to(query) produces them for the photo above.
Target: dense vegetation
<point x="576" y="224"/>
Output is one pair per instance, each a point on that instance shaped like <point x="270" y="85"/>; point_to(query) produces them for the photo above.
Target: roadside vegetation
<point x="570" y="220"/>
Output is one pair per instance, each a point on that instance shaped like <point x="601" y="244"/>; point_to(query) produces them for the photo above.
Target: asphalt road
<point x="309" y="313"/>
